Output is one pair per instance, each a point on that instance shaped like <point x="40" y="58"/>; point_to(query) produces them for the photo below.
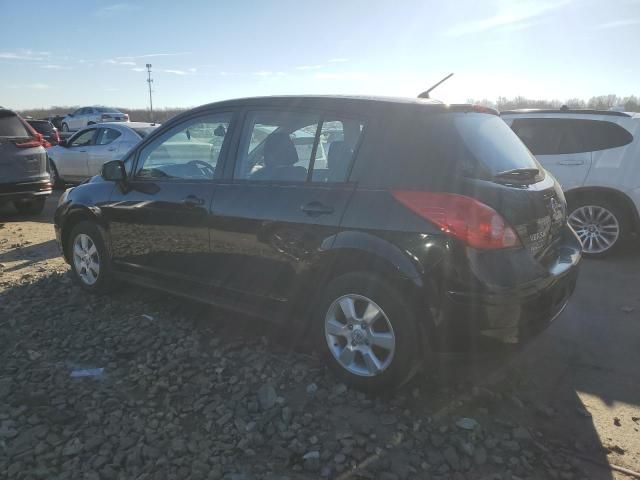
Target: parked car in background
<point x="56" y="120"/>
<point x="595" y="155"/>
<point x="428" y="228"/>
<point x="86" y="116"/>
<point x="82" y="155"/>
<point x="24" y="176"/>
<point x="48" y="131"/>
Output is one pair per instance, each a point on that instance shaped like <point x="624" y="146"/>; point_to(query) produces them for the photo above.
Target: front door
<point x="104" y="149"/>
<point x="271" y="221"/>
<point x="73" y="164"/>
<point x="158" y="218"/>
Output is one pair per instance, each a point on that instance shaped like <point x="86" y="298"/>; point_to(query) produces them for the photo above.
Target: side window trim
<point x="222" y="158"/>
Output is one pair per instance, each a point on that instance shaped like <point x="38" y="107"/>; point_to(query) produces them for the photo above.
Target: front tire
<point x="30" y="207"/>
<point x="366" y="332"/>
<point x="89" y="258"/>
<point x="56" y="181"/>
<point x="600" y="224"/>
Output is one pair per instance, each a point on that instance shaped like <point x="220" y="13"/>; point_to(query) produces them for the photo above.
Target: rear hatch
<point x="22" y="158"/>
<point x="502" y="173"/>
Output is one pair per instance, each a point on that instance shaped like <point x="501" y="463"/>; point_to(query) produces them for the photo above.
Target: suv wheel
<point x="89" y="257"/>
<point x="366" y="332"/>
<point x="600" y="225"/>
<point x="30" y="207"/>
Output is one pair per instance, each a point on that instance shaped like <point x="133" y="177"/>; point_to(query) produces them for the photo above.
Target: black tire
<point x="65" y="127"/>
<point x="104" y="279"/>
<point x="405" y="360"/>
<point x="30" y="207"/>
<point x="56" y="181"/>
<point x="614" y="209"/>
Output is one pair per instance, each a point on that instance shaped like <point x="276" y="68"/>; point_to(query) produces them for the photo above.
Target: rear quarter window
<point x="12" y="126"/>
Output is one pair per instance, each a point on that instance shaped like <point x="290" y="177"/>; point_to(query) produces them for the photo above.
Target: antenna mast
<point x="150" y="81"/>
<point x="425" y="94"/>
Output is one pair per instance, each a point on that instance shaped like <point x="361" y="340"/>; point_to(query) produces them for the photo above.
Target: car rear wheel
<point x="56" y="181"/>
<point x="89" y="258"/>
<point x="600" y="225"/>
<point x="30" y="207"/>
<point x="366" y="332"/>
<point x="65" y="127"/>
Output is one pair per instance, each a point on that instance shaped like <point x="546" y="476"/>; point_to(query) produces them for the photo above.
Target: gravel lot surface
<point x="143" y="386"/>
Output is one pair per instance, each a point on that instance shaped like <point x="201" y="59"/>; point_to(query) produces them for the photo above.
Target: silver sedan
<point x="82" y="155"/>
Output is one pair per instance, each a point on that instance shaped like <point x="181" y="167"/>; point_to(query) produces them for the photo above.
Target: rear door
<point x="275" y="215"/>
<point x="561" y="145"/>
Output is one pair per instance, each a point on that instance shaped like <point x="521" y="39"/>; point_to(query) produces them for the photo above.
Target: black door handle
<point x="314" y="209"/>
<point x="193" y="201"/>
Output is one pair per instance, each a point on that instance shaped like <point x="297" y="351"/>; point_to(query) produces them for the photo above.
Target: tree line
<point x="602" y="102"/>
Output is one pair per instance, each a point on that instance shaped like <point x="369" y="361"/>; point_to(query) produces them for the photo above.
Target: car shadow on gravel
<point x="29" y="254"/>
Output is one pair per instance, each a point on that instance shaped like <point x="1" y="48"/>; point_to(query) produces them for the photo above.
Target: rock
<point x="521" y="433"/>
<point x="627" y="309"/>
<point x="467" y="423"/>
<point x="312" y="388"/>
<point x="311" y="461"/>
<point x="267" y="396"/>
<point x="340" y="458"/>
<point x="437" y="440"/>
<point x="511" y="445"/>
<point x="452" y="458"/>
<point x="616" y="421"/>
<point x="339" y="389"/>
<point x="480" y="456"/>
<point x="73" y="447"/>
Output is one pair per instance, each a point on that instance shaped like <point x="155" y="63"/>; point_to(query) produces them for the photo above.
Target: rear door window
<point x="106" y="136"/>
<point x="83" y="138"/>
<point x="560" y="136"/>
<point x="12" y="126"/>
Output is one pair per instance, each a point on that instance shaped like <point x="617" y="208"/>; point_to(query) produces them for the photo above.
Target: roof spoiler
<point x="426" y="93"/>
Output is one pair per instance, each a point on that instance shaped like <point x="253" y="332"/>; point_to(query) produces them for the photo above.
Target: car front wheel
<point x="367" y="333"/>
<point x="89" y="258"/>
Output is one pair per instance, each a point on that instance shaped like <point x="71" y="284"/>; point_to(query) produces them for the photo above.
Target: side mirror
<point x="63" y="142"/>
<point x="114" y="171"/>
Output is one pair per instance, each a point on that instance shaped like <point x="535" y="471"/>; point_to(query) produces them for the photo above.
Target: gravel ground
<point x="176" y="390"/>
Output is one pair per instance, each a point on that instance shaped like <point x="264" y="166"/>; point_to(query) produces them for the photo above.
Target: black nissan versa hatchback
<point x="404" y="227"/>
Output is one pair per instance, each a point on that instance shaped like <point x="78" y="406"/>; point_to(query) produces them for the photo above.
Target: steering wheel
<point x="205" y="167"/>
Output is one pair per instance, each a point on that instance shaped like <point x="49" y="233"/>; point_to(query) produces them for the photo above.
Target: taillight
<point x="37" y="141"/>
<point x="465" y="218"/>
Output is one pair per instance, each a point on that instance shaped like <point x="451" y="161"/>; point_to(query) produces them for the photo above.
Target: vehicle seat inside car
<point x="280" y="158"/>
<point x="338" y="161"/>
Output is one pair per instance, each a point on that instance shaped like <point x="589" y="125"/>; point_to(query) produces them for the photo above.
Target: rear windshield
<point x="143" y="131"/>
<point x="12" y="126"/>
<point x="41" y="126"/>
<point x="493" y="143"/>
<point x="106" y="110"/>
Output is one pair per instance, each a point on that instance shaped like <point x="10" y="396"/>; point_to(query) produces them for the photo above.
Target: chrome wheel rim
<point x="597" y="228"/>
<point x="359" y="335"/>
<point x="86" y="259"/>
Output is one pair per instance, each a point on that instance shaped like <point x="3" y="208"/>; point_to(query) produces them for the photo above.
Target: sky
<point x="93" y="52"/>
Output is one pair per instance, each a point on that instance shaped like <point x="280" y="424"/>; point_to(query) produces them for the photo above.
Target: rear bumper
<point x="477" y="320"/>
<point x="25" y="190"/>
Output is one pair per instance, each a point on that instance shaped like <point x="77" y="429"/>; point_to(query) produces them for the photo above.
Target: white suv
<point x="595" y="155"/>
<point x="83" y="117"/>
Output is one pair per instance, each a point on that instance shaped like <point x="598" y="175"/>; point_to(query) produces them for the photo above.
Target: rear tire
<point x="30" y="207"/>
<point x="56" y="181"/>
<point x="600" y="224"/>
<point x="375" y="347"/>
<point x="89" y="258"/>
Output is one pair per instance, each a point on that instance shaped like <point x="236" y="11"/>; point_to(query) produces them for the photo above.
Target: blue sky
<point x="94" y="51"/>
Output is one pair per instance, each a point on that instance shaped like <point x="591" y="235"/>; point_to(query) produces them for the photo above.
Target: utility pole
<point x="150" y="81"/>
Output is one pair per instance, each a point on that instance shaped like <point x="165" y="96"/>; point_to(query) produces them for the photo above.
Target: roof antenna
<point x="426" y="93"/>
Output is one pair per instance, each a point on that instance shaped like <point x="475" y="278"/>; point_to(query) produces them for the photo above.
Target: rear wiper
<point x="518" y="173"/>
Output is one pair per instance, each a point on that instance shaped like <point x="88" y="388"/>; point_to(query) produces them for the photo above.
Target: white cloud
<point x="309" y="67"/>
<point x="53" y="66"/>
<point x="115" y="9"/>
<point x="175" y="71"/>
<point x="268" y="73"/>
<point x="618" y="23"/>
<point x="513" y="13"/>
<point x="338" y="60"/>
<point x="114" y="61"/>
<point x="138" y="69"/>
<point x="151" y="55"/>
<point x="341" y="76"/>
<point x="24" y="54"/>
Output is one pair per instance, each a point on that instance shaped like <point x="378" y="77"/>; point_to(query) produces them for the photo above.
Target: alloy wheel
<point x="359" y="335"/>
<point x="86" y="259"/>
<point x="597" y="227"/>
